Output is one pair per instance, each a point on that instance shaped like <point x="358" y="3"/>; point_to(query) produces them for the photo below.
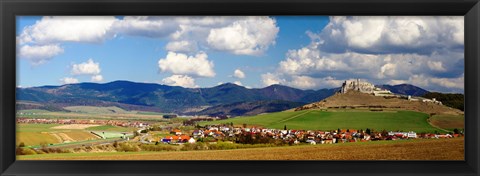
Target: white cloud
<point x="182" y="46"/>
<point x="396" y="82"/>
<point x="97" y="78"/>
<point x="86" y="68"/>
<point x="180" y="80"/>
<point x="238" y="83"/>
<point x="436" y="66"/>
<point x="238" y="74"/>
<point x="454" y="83"/>
<point x="300" y="82"/>
<point x="249" y="36"/>
<point x="146" y="26"/>
<point x="181" y="64"/>
<point x="187" y="34"/>
<point x="392" y="34"/>
<point x="415" y="50"/>
<point x="271" y="79"/>
<point x="55" y="29"/>
<point x="69" y="80"/>
<point x="39" y="54"/>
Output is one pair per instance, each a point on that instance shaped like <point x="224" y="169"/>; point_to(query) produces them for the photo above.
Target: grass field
<point x="328" y="120"/>
<point x="111" y="128"/>
<point x="420" y="149"/>
<point x="98" y="110"/>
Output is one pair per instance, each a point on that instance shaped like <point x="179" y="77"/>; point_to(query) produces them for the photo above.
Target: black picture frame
<point x="470" y="9"/>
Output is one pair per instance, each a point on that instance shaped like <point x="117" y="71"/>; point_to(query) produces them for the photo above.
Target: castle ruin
<point x="364" y="87"/>
<point x="357" y="85"/>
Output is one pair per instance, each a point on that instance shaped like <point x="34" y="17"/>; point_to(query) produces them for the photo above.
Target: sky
<point x="305" y="52"/>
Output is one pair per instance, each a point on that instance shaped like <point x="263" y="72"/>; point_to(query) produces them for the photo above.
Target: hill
<point x="357" y="100"/>
<point x="170" y="99"/>
<point x="249" y="108"/>
<point x="405" y="89"/>
<point x="451" y="100"/>
<point x="161" y="98"/>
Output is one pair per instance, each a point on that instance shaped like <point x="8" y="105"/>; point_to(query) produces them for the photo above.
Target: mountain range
<point x="174" y="99"/>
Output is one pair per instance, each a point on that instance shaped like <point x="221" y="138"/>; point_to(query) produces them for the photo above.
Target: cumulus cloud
<point x="39" y="54"/>
<point x="452" y="83"/>
<point x="392" y="34"/>
<point x="182" y="46"/>
<point x="69" y="80"/>
<point x="187" y="34"/>
<point x="423" y="51"/>
<point x="238" y="83"/>
<point x="97" y="78"/>
<point x="301" y="82"/>
<point x="180" y="80"/>
<point x="55" y="29"/>
<point x="42" y="41"/>
<point x="238" y="74"/>
<point x="250" y="36"/>
<point x="182" y="64"/>
<point x="271" y="79"/>
<point x="146" y="26"/>
<point x="436" y="65"/>
<point x="86" y="68"/>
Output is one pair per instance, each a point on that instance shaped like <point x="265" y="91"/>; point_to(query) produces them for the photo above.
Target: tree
<point x="455" y="131"/>
<point x="285" y="127"/>
<point x="244" y="125"/>
<point x="368" y="131"/>
<point x="21" y="144"/>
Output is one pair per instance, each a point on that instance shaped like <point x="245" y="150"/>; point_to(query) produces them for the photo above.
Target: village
<point x="213" y="133"/>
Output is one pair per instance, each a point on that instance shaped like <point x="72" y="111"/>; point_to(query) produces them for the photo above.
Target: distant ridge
<point x="172" y="99"/>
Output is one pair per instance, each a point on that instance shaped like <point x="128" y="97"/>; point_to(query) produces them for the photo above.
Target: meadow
<point x="332" y="120"/>
<point x="418" y="149"/>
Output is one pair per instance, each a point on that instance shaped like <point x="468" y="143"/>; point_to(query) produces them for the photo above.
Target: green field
<point x="329" y="120"/>
<point x="36" y="127"/>
<point x="111" y="128"/>
<point x="98" y="110"/>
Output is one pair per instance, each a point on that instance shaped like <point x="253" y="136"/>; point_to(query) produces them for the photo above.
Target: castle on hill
<point x="364" y="87"/>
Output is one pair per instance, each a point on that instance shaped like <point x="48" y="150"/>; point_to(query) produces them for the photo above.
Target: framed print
<point x="254" y="87"/>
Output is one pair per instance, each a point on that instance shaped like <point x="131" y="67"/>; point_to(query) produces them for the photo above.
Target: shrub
<point x="25" y="151"/>
<point x="157" y="148"/>
<point x="127" y="147"/>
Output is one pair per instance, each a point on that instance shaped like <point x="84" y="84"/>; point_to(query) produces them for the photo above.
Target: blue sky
<point x="311" y="52"/>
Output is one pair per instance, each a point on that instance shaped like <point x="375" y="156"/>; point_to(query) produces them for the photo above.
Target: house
<point x="176" y="132"/>
<point x="192" y="141"/>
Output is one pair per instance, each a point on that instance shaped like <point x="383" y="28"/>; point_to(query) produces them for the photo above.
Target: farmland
<point x="89" y="112"/>
<point x="424" y="149"/>
<point x="38" y="134"/>
<point x="331" y="120"/>
<point x="448" y="121"/>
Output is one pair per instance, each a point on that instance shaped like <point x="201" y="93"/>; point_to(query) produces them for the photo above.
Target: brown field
<point x="80" y="135"/>
<point x="74" y="126"/>
<point x="448" y="121"/>
<point x="35" y="138"/>
<point x="421" y="149"/>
